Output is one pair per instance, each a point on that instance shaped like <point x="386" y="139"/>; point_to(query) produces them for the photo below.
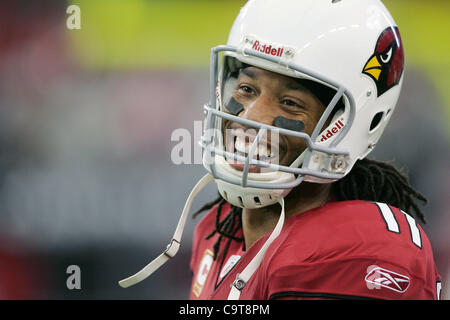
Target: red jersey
<point x="342" y="250"/>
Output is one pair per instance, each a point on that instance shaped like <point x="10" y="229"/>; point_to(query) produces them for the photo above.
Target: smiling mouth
<point x="240" y="143"/>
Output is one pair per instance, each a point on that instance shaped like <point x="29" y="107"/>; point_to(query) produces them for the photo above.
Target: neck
<point x="258" y="222"/>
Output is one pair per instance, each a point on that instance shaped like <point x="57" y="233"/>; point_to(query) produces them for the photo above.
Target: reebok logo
<point x="338" y="125"/>
<point x="267" y="49"/>
<point x="378" y="278"/>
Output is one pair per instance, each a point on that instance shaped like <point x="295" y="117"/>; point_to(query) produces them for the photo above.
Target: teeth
<point x="263" y="151"/>
<point x="243" y="148"/>
<point x="240" y="145"/>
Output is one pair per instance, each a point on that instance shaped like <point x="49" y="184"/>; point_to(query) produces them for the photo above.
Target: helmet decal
<point x="385" y="66"/>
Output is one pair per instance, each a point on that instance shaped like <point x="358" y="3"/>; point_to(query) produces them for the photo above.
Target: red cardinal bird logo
<point x="385" y="66"/>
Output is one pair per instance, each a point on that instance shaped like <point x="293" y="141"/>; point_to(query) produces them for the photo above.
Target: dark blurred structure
<point x="86" y="176"/>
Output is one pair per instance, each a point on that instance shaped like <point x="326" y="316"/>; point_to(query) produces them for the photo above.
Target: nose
<point x="261" y="109"/>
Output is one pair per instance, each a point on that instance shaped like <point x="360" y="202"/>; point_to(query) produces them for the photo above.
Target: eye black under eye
<point x="289" y="124"/>
<point x="234" y="107"/>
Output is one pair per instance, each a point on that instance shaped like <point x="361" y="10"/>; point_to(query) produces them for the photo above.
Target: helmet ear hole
<point x="376" y="121"/>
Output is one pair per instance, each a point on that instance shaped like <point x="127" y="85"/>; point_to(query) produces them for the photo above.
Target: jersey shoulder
<point x="337" y="247"/>
<point x="369" y="225"/>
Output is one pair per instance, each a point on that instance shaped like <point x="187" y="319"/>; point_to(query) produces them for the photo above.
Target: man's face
<point x="265" y="96"/>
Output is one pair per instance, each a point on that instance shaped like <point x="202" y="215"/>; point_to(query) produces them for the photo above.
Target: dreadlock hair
<point x="380" y="181"/>
<point x="228" y="226"/>
<point x="368" y="180"/>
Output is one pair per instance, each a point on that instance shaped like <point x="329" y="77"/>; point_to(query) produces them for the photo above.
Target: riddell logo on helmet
<point x="338" y="125"/>
<point x="267" y="49"/>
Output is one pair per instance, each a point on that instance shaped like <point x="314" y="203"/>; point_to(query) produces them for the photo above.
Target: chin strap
<point x="174" y="245"/>
<point x="243" y="277"/>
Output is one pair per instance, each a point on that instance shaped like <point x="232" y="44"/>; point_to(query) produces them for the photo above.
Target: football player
<point x="300" y="95"/>
<point x="324" y="78"/>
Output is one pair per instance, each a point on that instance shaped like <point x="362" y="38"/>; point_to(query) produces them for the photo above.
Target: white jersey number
<point x="393" y="226"/>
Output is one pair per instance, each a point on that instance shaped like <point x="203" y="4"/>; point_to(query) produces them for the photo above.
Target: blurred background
<point x="86" y="118"/>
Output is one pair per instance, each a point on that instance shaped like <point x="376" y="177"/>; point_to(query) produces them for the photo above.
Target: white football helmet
<point x="350" y="46"/>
